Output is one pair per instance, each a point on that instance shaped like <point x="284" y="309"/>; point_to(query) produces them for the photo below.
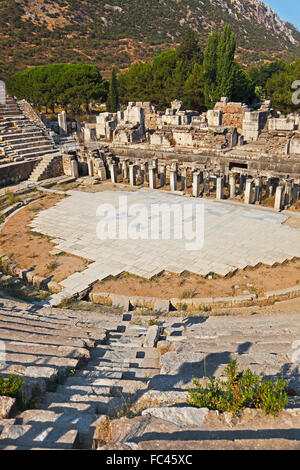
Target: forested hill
<point x="120" y="32"/>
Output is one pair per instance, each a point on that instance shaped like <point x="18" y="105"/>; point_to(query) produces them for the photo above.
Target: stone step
<point x="41" y="143"/>
<point x="90" y="385"/>
<point x="30" y="359"/>
<point x="100" y="373"/>
<point x="78" y="333"/>
<point x="18" y="139"/>
<point x="47" y="350"/>
<point x="96" y="403"/>
<point x="37" y="320"/>
<point x="39" y="315"/>
<point x="29" y="133"/>
<point x="42" y="152"/>
<point x="84" y="423"/>
<point x="84" y="389"/>
<point x="38" y="147"/>
<point x="120" y="367"/>
<point x="220" y="444"/>
<point x="127" y="387"/>
<point x="140" y="373"/>
<point x="7" y="334"/>
<point x="69" y="407"/>
<point x="39" y="436"/>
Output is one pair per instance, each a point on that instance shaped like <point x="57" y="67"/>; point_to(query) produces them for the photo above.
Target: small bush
<point x="12" y="199"/>
<point x="52" y="266"/>
<point x="153" y="321"/>
<point x="240" y="390"/>
<point x="188" y="294"/>
<point x="12" y="386"/>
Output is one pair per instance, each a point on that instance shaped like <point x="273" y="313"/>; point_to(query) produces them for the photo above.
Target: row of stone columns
<point x="251" y="188"/>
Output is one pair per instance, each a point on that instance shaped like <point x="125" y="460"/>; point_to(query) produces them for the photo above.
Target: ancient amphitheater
<point x="107" y="335"/>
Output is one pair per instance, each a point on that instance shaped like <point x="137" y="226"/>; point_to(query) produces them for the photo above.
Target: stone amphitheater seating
<point x="109" y="362"/>
<point x="21" y="137"/>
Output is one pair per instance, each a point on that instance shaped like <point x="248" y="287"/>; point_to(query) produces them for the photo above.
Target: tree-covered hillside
<point x="121" y="32"/>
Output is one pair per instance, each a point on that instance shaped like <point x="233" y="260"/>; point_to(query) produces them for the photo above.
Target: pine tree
<point x="112" y="102"/>
<point x="189" y="51"/>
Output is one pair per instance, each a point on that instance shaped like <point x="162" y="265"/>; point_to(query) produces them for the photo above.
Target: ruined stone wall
<point x="66" y="163"/>
<point x="15" y="172"/>
<point x="295" y="146"/>
<point x="232" y="114"/>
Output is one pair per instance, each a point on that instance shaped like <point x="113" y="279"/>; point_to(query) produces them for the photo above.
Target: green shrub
<point x="240" y="390"/>
<point x="12" y="199"/>
<point x="11" y="386"/>
<point x="153" y="321"/>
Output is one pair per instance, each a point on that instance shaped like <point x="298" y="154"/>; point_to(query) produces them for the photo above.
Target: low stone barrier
<point x="201" y="304"/>
<point x="8" y="267"/>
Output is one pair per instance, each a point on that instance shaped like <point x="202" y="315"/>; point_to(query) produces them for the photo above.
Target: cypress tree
<point x="112" y="103"/>
<point x="210" y="69"/>
<point x="225" y="63"/>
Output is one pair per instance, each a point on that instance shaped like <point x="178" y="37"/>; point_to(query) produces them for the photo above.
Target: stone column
<point x="155" y="163"/>
<point x="62" y="123"/>
<point x="162" y="176"/>
<point x="257" y="191"/>
<point x="242" y="183"/>
<point x="146" y="172"/>
<point x="173" y="180"/>
<point x="196" y="184"/>
<point x="296" y="189"/>
<point x="269" y="187"/>
<point x="2" y="93"/>
<point x="91" y="167"/>
<point x="152" y="177"/>
<point x="288" y="194"/>
<point x="232" y="183"/>
<point x="74" y="168"/>
<point x="220" y="188"/>
<point x="132" y="174"/>
<point x="206" y="180"/>
<point x="248" y="192"/>
<point x="278" y="198"/>
<point x="125" y="170"/>
<point x="183" y="179"/>
<point x="113" y="172"/>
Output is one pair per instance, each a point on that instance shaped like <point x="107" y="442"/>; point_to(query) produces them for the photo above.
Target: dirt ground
<point x="93" y="188"/>
<point x="31" y="250"/>
<point x="188" y="285"/>
<point x="293" y="222"/>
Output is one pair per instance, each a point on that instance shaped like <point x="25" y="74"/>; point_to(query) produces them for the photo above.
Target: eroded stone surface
<point x="6" y="406"/>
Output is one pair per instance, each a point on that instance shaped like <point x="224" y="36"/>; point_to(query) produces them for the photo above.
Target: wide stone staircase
<point x="103" y="365"/>
<point x="84" y="368"/>
<point x="22" y="137"/>
<point x="44" y="167"/>
<point x="202" y="346"/>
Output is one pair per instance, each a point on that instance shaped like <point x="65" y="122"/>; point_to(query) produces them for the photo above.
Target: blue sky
<point x="288" y="10"/>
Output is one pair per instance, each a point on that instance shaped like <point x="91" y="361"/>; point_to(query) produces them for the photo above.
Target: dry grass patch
<point x="252" y="280"/>
<point x="17" y="235"/>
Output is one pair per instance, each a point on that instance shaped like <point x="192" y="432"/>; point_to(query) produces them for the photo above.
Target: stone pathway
<point x="234" y="237"/>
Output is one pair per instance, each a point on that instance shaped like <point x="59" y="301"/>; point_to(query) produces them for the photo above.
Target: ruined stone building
<point x="231" y="151"/>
